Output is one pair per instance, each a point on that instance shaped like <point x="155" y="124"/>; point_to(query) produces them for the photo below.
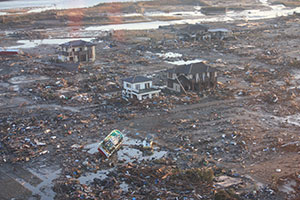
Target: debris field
<point x="239" y="140"/>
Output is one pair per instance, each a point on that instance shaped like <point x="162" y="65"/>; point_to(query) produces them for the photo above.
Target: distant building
<point x="77" y="51"/>
<point x="198" y="32"/>
<point x="8" y="52"/>
<point x="194" y="32"/>
<point x="213" y="10"/>
<point x="219" y="33"/>
<point x="192" y="77"/>
<point x="138" y="87"/>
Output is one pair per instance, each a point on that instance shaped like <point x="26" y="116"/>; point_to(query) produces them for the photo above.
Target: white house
<point x="138" y="87"/>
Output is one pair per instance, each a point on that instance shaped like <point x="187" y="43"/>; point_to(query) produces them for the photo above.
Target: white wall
<point x="94" y="53"/>
<point x="133" y="86"/>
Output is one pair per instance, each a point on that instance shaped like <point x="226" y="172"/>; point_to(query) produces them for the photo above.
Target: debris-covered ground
<point x="239" y="141"/>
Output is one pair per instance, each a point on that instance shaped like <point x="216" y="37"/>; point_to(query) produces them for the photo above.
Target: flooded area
<point x="24" y="44"/>
<point x="272" y="11"/>
<point x="247" y="15"/>
<point x="44" y="5"/>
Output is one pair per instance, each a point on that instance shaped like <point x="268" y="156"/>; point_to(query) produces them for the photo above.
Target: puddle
<point x="130" y="141"/>
<point x="54" y="106"/>
<point x="88" y="178"/>
<point x="34" y="43"/>
<point x="128" y="153"/>
<point x="26" y="79"/>
<point x="288" y="187"/>
<point x="44" y="189"/>
<point x="185" y="62"/>
<point x="92" y="148"/>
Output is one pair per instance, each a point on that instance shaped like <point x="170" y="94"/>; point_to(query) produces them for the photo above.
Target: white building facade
<point x="139" y="87"/>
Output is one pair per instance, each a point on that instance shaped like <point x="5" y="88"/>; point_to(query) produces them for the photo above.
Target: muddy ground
<point x="240" y="141"/>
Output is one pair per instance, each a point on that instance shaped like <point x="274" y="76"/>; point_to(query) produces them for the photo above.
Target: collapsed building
<point x="194" y="32"/>
<point x="200" y="32"/>
<point x="77" y="51"/>
<point x="219" y="33"/>
<point x="138" y="87"/>
<point x="192" y="77"/>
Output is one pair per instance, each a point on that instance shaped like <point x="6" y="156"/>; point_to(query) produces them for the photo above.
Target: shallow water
<point x="101" y="174"/>
<point x="128" y="153"/>
<point x="24" y="44"/>
<point x="53" y="4"/>
<point x="270" y="11"/>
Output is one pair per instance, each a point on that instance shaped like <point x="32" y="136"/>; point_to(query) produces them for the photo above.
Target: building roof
<point x="136" y="79"/>
<point x="193" y="68"/>
<point x="194" y="28"/>
<point x="77" y="43"/>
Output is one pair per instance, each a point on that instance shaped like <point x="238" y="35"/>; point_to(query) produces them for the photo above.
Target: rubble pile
<point x="164" y="180"/>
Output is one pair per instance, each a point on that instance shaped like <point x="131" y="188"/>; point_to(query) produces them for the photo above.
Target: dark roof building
<point x="136" y="79"/>
<point x="194" y="77"/>
<point x="195" y="28"/>
<point x="192" y="69"/>
<point x="77" y="51"/>
<point x="77" y="43"/>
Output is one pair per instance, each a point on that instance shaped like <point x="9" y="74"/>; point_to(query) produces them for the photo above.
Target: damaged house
<point x="200" y="32"/>
<point x="192" y="77"/>
<point x="77" y="51"/>
<point x="219" y="33"/>
<point x="194" y="32"/>
<point x="138" y="87"/>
